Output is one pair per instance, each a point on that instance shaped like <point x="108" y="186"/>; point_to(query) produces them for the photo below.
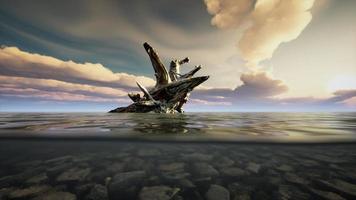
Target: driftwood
<point x="171" y="90"/>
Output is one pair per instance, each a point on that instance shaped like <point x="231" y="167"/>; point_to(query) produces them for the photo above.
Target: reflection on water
<point x="305" y="127"/>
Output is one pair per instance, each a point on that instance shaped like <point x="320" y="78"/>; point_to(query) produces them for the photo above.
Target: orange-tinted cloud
<point x="14" y="62"/>
<point x="269" y="23"/>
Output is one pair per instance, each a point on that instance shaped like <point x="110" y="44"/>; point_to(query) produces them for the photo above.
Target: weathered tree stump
<point x="171" y="91"/>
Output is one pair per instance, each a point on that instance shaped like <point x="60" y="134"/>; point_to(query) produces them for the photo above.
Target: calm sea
<point x="212" y="156"/>
<point x="251" y="127"/>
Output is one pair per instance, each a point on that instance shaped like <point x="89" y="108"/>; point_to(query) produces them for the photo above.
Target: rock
<point x="285" y="168"/>
<point x="148" y="152"/>
<point x="173" y="176"/>
<point x="286" y="192"/>
<point x="133" y="163"/>
<point x="240" y="192"/>
<point x="98" y="192"/>
<point x="195" y="157"/>
<point x="253" y="167"/>
<point x="223" y="162"/>
<point x="82" y="190"/>
<point x="341" y="187"/>
<point x="217" y="192"/>
<point x="233" y="172"/>
<point x="29" y="192"/>
<point x="115" y="168"/>
<point x="18" y="179"/>
<point x="60" y="160"/>
<point x="125" y="185"/>
<point x="74" y="175"/>
<point x="172" y="167"/>
<point x="4" y="192"/>
<point x="293" y="178"/>
<point x="158" y="193"/>
<point x="185" y="183"/>
<point x="242" y="196"/>
<point x="41" y="178"/>
<point x="204" y="170"/>
<point x="56" y="195"/>
<point x="56" y="170"/>
<point x="326" y="195"/>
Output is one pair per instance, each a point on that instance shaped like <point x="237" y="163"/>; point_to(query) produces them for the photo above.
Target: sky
<point x="261" y="55"/>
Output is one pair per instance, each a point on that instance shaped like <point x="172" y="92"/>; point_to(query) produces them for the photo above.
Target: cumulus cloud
<point x="257" y="85"/>
<point x="270" y="23"/>
<point x="12" y="83"/>
<point x="27" y="75"/>
<point x="229" y="13"/>
<point x="260" y="85"/>
<point x="14" y="62"/>
<point x="260" y="90"/>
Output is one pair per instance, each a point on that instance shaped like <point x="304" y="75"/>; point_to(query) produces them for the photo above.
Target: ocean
<point x="212" y="156"/>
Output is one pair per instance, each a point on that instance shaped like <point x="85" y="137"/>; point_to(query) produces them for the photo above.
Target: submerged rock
<point x="74" y="174"/>
<point x="253" y="167"/>
<point x="97" y="192"/>
<point x="56" y="195"/>
<point x="341" y="187"/>
<point x="233" y="172"/>
<point x="196" y="157"/>
<point x="204" y="170"/>
<point x="41" y="178"/>
<point x="158" y="193"/>
<point x="125" y="185"/>
<point x="29" y="192"/>
<point x="327" y="195"/>
<point x="217" y="192"/>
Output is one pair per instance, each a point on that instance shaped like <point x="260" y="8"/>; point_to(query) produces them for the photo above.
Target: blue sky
<point x="86" y="55"/>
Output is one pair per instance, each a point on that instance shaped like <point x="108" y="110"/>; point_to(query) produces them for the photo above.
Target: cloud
<point x="8" y="82"/>
<point x="258" y="85"/>
<point x="269" y="23"/>
<point x="14" y="62"/>
<point x="229" y="13"/>
<point x="261" y="91"/>
<point x="27" y="75"/>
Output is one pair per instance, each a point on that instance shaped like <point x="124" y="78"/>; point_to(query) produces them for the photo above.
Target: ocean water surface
<point x="265" y="127"/>
<point x="192" y="156"/>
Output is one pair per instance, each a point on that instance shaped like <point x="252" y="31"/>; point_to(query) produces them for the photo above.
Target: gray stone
<point x="97" y="192"/>
<point x="59" y="160"/>
<point x="148" y="152"/>
<point x="56" y="195"/>
<point x="204" y="170"/>
<point x="126" y="184"/>
<point x="341" y="187"/>
<point x="327" y="195"/>
<point x="172" y="167"/>
<point x="223" y="162"/>
<point x="29" y="192"/>
<point x="293" y="178"/>
<point x="41" y="178"/>
<point x="158" y="193"/>
<point x="196" y="157"/>
<point x="217" y="192"/>
<point x="56" y="170"/>
<point x="285" y="168"/>
<point x="288" y="192"/>
<point x="233" y="172"/>
<point x="74" y="174"/>
<point x="253" y="167"/>
<point x="115" y="167"/>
